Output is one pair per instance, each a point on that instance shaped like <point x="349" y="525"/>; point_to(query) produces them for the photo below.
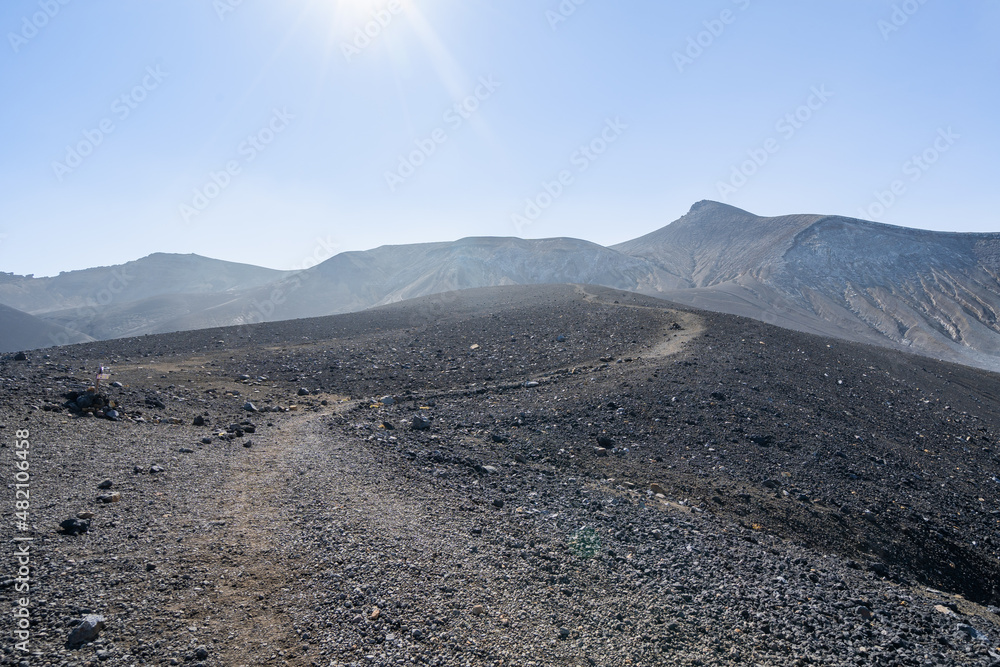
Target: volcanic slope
<point x="933" y="293"/>
<point x="21" y="331"/>
<point x="816" y="501"/>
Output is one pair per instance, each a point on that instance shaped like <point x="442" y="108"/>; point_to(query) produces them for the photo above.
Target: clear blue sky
<point x="331" y="114"/>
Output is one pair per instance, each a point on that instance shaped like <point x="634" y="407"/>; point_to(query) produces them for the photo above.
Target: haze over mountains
<point x="933" y="293"/>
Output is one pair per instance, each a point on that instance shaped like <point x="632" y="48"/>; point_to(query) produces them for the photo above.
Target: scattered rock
<point x="84" y="515"/>
<point x="198" y="421"/>
<point x="87" y="630"/>
<point x="387" y="400"/>
<point x="376" y="612"/>
<point x="186" y="450"/>
<point x="249" y="407"/>
<point x="968" y="631"/>
<point x="498" y="503"/>
<point x="420" y="423"/>
<point x="109" y="497"/>
<point x="605" y="441"/>
<point x="20" y="356"/>
<point x="864" y="612"/>
<point x="248" y="444"/>
<point x="656" y="488"/>
<point x="106" y="484"/>
<point x="206" y="440"/>
<point x="155" y="469"/>
<point x="477" y="610"/>
<point x="600" y="451"/>
<point x="74" y="526"/>
<point x="303" y="391"/>
<point x="201" y="653"/>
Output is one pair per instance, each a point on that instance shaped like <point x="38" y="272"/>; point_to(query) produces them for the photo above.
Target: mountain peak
<point x="711" y="206"/>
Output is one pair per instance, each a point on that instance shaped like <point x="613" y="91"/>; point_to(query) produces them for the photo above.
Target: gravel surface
<point x="549" y="475"/>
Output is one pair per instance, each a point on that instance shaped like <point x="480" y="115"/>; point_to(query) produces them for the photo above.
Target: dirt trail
<point x="262" y="573"/>
<point x="673" y="339"/>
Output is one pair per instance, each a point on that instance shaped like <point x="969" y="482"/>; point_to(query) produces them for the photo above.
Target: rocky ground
<point x="515" y="476"/>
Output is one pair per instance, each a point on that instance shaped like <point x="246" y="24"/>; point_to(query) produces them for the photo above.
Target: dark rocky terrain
<point x="549" y="475"/>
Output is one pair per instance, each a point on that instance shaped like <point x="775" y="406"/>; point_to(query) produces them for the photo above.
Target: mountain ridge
<point x="934" y="293"/>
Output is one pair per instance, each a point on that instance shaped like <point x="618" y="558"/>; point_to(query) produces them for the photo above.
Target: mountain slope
<point x="356" y="280"/>
<point x="21" y="331"/>
<point x="931" y="292"/>
<point x="155" y="275"/>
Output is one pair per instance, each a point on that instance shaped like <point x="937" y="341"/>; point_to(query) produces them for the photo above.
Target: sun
<point x="369" y="8"/>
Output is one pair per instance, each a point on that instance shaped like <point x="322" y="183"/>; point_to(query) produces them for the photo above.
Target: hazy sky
<point x="279" y="133"/>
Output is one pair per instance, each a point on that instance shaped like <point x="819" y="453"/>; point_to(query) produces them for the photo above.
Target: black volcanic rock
<point x="335" y="536"/>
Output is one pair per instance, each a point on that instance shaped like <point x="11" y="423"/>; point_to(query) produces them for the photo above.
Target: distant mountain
<point x="931" y="292"/>
<point x="155" y="275"/>
<point x="21" y="331"/>
<point x="353" y="281"/>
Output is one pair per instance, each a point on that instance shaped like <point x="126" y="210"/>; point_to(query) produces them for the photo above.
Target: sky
<point x="281" y="133"/>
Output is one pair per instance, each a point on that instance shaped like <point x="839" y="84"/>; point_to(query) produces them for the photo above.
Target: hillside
<point x="576" y="474"/>
<point x="933" y="293"/>
<point x="21" y="331"/>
